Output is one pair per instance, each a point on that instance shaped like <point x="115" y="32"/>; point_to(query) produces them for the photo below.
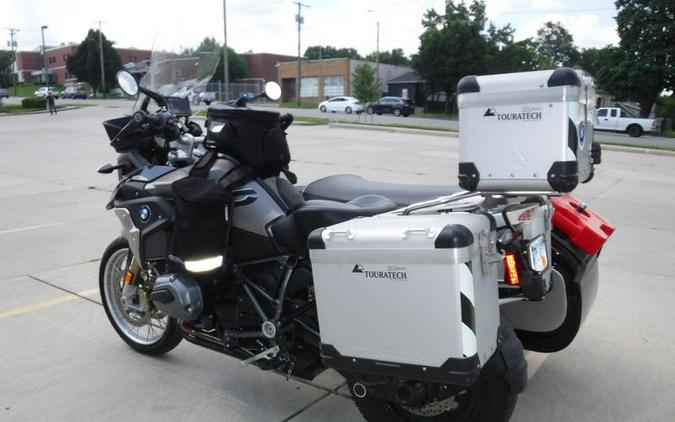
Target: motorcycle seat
<point x="292" y="230"/>
<point x="346" y="187"/>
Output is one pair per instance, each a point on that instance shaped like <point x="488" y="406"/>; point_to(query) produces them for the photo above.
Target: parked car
<point x="396" y="105"/>
<point x="4" y="93"/>
<point x="617" y="119"/>
<point x="73" y="92"/>
<point x="42" y="92"/>
<point x="347" y="104"/>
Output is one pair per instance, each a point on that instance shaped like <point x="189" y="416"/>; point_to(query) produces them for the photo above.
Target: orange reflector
<point x="512" y="278"/>
<point x="128" y="277"/>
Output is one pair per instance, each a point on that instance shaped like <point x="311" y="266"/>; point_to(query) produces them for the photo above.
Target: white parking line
<point x="22" y="229"/>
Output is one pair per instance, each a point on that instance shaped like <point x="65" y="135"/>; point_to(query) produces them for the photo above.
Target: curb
<point x="23" y="113"/>
<point x="637" y="150"/>
<point x="391" y="129"/>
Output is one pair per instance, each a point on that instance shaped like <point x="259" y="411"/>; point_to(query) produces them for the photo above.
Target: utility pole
<point x="44" y="57"/>
<point x="100" y="55"/>
<point x="300" y="20"/>
<point x="377" y="53"/>
<point x="12" y="46"/>
<point x="226" y="60"/>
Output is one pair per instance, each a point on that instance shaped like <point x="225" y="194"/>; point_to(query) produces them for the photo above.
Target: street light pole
<point x="226" y="60"/>
<point x="12" y="43"/>
<point x="100" y="55"/>
<point x="300" y="20"/>
<point x="377" y="53"/>
<point x="44" y="57"/>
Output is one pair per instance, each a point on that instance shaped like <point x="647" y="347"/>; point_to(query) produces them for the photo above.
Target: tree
<point x="451" y="46"/>
<point x="85" y="63"/>
<point x="396" y="57"/>
<point x="6" y="60"/>
<point x="504" y="55"/>
<point x="208" y="44"/>
<point x="555" y="46"/>
<point x="364" y="83"/>
<point x="238" y="68"/>
<point x="316" y="52"/>
<point x="643" y="65"/>
<point x="590" y="60"/>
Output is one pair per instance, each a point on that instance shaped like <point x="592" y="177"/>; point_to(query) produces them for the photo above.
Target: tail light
<point x="511" y="275"/>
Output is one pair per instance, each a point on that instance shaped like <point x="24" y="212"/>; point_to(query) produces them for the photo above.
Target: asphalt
<point x="60" y="359"/>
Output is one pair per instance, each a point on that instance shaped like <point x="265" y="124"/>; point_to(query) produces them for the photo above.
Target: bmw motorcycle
<point x="217" y="246"/>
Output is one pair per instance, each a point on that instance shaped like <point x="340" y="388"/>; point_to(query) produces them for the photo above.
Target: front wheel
<point x="397" y="112"/>
<point x="322" y="109"/>
<point x="149" y="333"/>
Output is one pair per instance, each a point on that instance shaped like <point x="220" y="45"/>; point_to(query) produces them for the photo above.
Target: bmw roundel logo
<point x="144" y="213"/>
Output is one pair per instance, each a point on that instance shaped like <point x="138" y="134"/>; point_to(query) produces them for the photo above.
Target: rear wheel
<point x="149" y="333"/>
<point x="397" y="112"/>
<point x="348" y="110"/>
<point x="491" y="399"/>
<point x="634" y="131"/>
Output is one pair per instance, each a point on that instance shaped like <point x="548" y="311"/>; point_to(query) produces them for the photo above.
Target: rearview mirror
<point x="272" y="91"/>
<point x="127" y="82"/>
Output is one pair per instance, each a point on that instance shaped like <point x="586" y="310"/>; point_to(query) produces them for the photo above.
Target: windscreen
<point x="178" y="72"/>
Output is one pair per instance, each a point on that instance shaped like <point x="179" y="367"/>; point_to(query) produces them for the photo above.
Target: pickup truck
<point x="616" y="119"/>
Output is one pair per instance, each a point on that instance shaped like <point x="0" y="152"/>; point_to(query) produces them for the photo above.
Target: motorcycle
<point x="219" y="248"/>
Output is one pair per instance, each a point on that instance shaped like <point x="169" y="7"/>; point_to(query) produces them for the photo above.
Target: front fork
<point x="135" y="298"/>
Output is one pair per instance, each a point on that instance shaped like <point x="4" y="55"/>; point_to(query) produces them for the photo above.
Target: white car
<point x="348" y="105"/>
<point x="42" y="92"/>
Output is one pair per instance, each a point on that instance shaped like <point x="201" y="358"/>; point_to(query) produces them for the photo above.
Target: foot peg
<point x="266" y="354"/>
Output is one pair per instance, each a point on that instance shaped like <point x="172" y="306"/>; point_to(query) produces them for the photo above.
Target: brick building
<point x="322" y="79"/>
<point x="29" y="63"/>
<point x="264" y="65"/>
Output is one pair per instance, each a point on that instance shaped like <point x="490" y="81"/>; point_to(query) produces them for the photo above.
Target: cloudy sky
<point x="269" y="25"/>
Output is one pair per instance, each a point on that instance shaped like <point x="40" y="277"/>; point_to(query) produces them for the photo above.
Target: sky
<point x="269" y="25"/>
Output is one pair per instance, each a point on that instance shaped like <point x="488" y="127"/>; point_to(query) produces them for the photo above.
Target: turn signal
<point x="511" y="270"/>
<point x="128" y="277"/>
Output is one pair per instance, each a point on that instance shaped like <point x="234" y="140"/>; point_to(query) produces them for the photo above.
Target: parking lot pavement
<point x="61" y="360"/>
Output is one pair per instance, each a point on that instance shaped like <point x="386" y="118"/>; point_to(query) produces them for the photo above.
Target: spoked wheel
<point x="149" y="333"/>
<point x="492" y="399"/>
<point x="489" y="401"/>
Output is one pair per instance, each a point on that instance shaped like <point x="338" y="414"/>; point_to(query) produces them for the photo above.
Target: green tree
<point x="6" y="60"/>
<point x="555" y="46"/>
<point x="504" y="55"/>
<point x="590" y="60"/>
<point x="85" y="62"/>
<point x="643" y="65"/>
<point x="396" y="57"/>
<point x="364" y="83"/>
<point x="208" y="44"/>
<point x="451" y="46"/>
<point x="238" y="68"/>
<point x="316" y="52"/>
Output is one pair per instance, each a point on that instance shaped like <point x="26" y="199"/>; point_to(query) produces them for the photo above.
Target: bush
<point x="665" y="107"/>
<point x="34" y="103"/>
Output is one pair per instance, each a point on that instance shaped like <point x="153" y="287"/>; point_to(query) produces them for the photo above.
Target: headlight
<point x="203" y="265"/>
<point x="537" y="252"/>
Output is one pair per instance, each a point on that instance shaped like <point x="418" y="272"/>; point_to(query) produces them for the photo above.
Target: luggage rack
<point x="459" y="196"/>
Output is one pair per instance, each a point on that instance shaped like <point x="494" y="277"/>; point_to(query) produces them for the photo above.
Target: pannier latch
<point x="487" y="242"/>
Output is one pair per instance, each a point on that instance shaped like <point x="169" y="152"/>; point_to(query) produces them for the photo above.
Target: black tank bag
<point x="201" y="226"/>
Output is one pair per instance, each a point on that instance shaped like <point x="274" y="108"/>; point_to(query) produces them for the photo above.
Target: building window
<point x="333" y="86"/>
<point x="52" y="59"/>
<point x="309" y="87"/>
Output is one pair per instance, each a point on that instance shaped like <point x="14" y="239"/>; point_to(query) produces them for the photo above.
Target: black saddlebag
<point x="201" y="225"/>
<point x="253" y="137"/>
